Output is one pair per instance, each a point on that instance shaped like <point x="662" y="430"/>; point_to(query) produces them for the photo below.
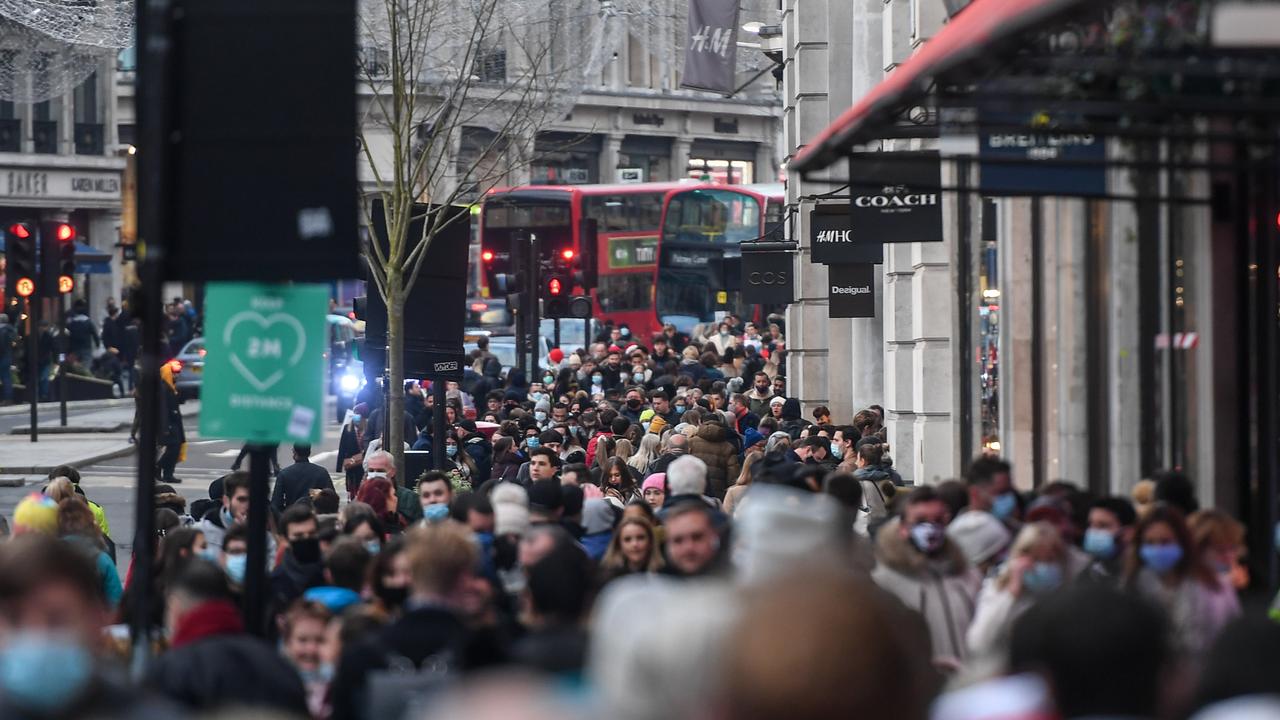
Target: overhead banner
<point x="851" y="291"/>
<point x="832" y="239"/>
<point x="895" y="196"/>
<point x="711" y="50"/>
<point x="767" y="278"/>
<point x="1039" y="162"/>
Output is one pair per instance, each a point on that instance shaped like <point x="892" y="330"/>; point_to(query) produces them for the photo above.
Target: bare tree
<point x="429" y="69"/>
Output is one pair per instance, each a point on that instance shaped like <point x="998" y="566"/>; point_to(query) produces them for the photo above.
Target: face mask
<point x="597" y="379"/>
<point x="355" y="418"/>
<point x="540" y="416"/>
<point x="532" y="443"/>
<point x="235" y="567"/>
<point x="645" y="425"/>
<point x="1100" y="543"/>
<point x="762" y="389"/>
<point x="547" y="380"/>
<point x="724" y="333"/>
<point x="306" y="551"/>
<point x="837" y="452"/>
<point x="1042" y="577"/>
<point x="634" y="404"/>
<point x="436" y="512"/>
<point x="1003" y="505"/>
<point x="927" y="537"/>
<point x="451" y="450"/>
<point x="373" y="546"/>
<point x="209" y="553"/>
<point x="637" y="377"/>
<point x="626" y="332"/>
<point x="1160" y="558"/>
<point x="43" y="671"/>
<point x="679" y="409"/>
<point x="536" y="396"/>
<point x="227" y="520"/>
<point x="320" y="676"/>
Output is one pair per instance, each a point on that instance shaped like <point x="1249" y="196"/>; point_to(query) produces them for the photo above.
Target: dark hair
<point x="873" y="453"/>
<point x="171" y="547"/>
<point x="548" y="452"/>
<point x="295" y="514"/>
<point x="503" y="448"/>
<point x="202" y="580"/>
<point x="581" y="470"/>
<point x="1189" y="566"/>
<point x="1102" y="651"/>
<point x="34" y="560"/>
<point x="560" y="582"/>
<point x="302" y="449"/>
<point x="354" y="523"/>
<point x="325" y="502"/>
<point x="347" y="563"/>
<point x="550" y="436"/>
<point x="628" y="485"/>
<point x="820" y="411"/>
<point x="954" y="494"/>
<point x="619" y="425"/>
<point x="845" y="488"/>
<point x="67" y="471"/>
<point x="1176" y="489"/>
<point x="983" y="471"/>
<point x="770" y="423"/>
<point x="920" y="494"/>
<point x="431" y="476"/>
<point x="1118" y="506"/>
<point x="234" y="481"/>
<point x="762" y="374"/>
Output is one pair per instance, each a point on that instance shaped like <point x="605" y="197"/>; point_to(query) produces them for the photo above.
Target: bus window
<point x="624" y="292"/>
<point x="628" y="212"/>
<point x="712" y="216"/>
<point x="511" y="215"/>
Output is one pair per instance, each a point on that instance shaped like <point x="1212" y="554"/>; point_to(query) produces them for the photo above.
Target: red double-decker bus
<point x="697" y="274"/>
<point x="626" y="243"/>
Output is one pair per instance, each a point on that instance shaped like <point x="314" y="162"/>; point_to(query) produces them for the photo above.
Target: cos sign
<point x="766" y="276"/>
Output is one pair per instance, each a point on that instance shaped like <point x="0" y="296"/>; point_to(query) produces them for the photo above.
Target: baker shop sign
<point x="59" y="184"/>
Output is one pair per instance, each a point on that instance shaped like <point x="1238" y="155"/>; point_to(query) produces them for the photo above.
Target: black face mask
<point x="634" y="404"/>
<point x="306" y="551"/>
<point x="393" y="597"/>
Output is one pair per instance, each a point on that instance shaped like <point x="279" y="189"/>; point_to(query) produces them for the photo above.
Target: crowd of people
<point x="634" y="536"/>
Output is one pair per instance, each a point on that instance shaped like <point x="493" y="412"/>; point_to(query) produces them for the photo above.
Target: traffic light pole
<point x="33" y="364"/>
<point x="62" y="365"/>
<point x="534" y="266"/>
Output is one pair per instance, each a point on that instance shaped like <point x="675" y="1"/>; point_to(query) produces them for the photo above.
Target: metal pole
<point x="33" y="364"/>
<point x="1038" y="439"/>
<point x="437" y="426"/>
<point x="62" y="364"/>
<point x="154" y="49"/>
<point x="386" y="400"/>
<point x="255" y="576"/>
<point x="557" y="332"/>
<point x="535" y="303"/>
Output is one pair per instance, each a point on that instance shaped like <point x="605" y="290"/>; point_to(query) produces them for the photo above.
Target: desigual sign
<point x="851" y="291"/>
<point x="895" y="196"/>
<point x="833" y="240"/>
<point x="71" y="186"/>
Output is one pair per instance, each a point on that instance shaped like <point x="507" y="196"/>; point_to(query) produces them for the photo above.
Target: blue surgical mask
<point x="539" y="416"/>
<point x="436" y="512"/>
<point x="209" y="553"/>
<point x="547" y="380"/>
<point x="1100" y="543"/>
<point x="1042" y="577"/>
<point x="1004" y="504"/>
<point x="927" y="537"/>
<point x="42" y="671"/>
<point x="837" y="452"/>
<point x="227" y="519"/>
<point x="235" y="567"/>
<point x="355" y="417"/>
<point x="320" y="676"/>
<point x="597" y="379"/>
<point x="373" y="546"/>
<point x="536" y="396"/>
<point x="451" y="450"/>
<point x="532" y="443"/>
<point x="680" y="409"/>
<point x="1160" y="558"/>
<point x="637" y="377"/>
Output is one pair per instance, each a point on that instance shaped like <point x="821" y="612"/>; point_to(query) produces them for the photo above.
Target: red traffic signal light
<point x="66" y="284"/>
<point x="567" y="254"/>
<point x="487" y="256"/>
<point x="555" y="286"/>
<point x="19" y="230"/>
<point x="64" y="232"/>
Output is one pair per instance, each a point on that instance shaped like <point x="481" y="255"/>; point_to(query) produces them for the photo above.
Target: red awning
<point x="966" y="36"/>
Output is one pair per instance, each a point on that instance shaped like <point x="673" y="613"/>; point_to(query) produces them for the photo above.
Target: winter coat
<point x="596" y="544"/>
<point x="758" y="404"/>
<point x="875" y="506"/>
<point x="1197" y="612"/>
<point x="993" y="618"/>
<point x="711" y="446"/>
<point x="505" y="469"/>
<point x="942" y="589"/>
<point x="481" y="451"/>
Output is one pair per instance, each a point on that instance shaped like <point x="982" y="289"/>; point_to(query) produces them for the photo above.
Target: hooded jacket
<point x="943" y="590"/>
<point x="757" y="403"/>
<point x="711" y="446"/>
<point x="792" y="423"/>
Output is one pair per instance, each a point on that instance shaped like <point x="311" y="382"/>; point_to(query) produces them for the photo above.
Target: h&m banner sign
<point x="711" y="50"/>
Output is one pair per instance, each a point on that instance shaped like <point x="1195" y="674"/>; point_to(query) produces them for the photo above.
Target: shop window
<point x="725" y="172"/>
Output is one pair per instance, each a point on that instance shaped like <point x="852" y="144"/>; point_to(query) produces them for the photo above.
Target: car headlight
<point x="350" y="382"/>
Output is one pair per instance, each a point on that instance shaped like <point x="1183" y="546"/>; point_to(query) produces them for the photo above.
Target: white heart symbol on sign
<point x="264" y="322"/>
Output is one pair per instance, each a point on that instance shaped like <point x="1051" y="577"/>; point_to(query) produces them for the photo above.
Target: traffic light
<point x="555" y="296"/>
<point x="57" y="258"/>
<point x="20" y="259"/>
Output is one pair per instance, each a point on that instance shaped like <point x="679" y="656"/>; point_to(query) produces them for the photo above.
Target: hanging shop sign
<point x="1033" y="161"/>
<point x="711" y="51"/>
<point x="767" y="276"/>
<point x="832" y="238"/>
<point x="895" y="196"/>
<point x="851" y="291"/>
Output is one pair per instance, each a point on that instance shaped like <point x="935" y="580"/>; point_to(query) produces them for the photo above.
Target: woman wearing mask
<point x="457" y="459"/>
<point x="723" y="339"/>
<point x="379" y="494"/>
<point x="1164" y="565"/>
<point x="640" y="374"/>
<point x="1035" y="568"/>
<point x="633" y="549"/>
<point x="389" y="577"/>
<point x="566" y="382"/>
<point x="617" y="481"/>
<point x="1220" y="540"/>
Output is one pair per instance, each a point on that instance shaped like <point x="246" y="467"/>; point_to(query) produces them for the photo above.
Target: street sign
<point x="264" y="362"/>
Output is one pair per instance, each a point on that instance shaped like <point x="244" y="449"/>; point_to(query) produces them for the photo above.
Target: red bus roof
<point x="610" y="189"/>
<point x="773" y="191"/>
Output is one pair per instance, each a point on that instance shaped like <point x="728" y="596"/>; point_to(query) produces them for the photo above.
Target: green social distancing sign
<point x="264" y="362"/>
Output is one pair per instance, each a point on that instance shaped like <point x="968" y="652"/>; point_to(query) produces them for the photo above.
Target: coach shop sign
<point x="767" y="277"/>
<point x="833" y="240"/>
<point x="895" y="196"/>
<point x="852" y="291"/>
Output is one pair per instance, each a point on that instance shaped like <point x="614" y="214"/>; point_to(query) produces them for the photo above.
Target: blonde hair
<point x="623" y="449"/>
<point x="60" y="489"/>
<point x="646" y="454"/>
<point x="440" y="556"/>
<point x="1033" y="536"/>
<point x="1215" y="528"/>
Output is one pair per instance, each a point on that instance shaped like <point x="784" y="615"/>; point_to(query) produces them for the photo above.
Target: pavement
<point x="91" y="436"/>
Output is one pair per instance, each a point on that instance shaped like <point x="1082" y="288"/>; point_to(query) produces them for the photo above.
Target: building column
<point x="680" y="148"/>
<point x="1066" y="339"/>
<point x="1016" y="380"/>
<point x="610" y="155"/>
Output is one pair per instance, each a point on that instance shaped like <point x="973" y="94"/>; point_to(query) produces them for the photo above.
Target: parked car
<point x="491" y="315"/>
<point x="191" y="378"/>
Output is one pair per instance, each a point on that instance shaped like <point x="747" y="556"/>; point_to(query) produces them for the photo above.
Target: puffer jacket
<point x="943" y="589"/>
<point x="712" y="446"/>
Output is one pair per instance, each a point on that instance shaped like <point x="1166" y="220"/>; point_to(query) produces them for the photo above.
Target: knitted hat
<point x="657" y="481"/>
<point x="36" y="513"/>
<point x="777" y="400"/>
<point x="751" y="438"/>
<point x="657" y="425"/>
<point x="979" y="535"/>
<point x="575" y="361"/>
<point x="510" y="519"/>
<point x="509" y="493"/>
